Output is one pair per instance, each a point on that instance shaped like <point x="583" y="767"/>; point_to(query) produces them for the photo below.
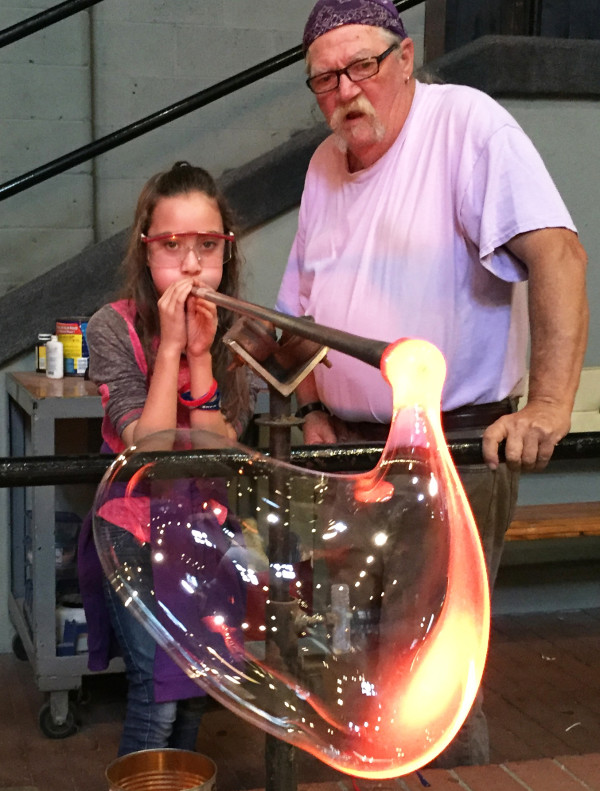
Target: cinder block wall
<point x="45" y="94"/>
<point x="114" y="64"/>
<point x="150" y="54"/>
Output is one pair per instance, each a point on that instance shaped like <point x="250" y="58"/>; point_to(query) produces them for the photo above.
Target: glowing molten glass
<point x="347" y="614"/>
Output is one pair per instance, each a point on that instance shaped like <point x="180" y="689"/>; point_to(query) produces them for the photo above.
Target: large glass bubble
<point x="347" y="614"/>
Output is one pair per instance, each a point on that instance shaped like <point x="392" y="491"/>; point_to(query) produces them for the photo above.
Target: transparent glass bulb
<point x="347" y="614"/>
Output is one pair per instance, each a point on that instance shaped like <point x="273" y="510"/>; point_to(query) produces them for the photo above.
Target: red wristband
<point x="185" y="397"/>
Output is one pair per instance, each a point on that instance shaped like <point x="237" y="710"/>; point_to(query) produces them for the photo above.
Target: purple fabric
<point x="102" y="642"/>
<point x="221" y="590"/>
<point x="329" y="14"/>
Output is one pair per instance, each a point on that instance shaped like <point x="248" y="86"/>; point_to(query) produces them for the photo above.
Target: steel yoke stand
<point x="283" y="363"/>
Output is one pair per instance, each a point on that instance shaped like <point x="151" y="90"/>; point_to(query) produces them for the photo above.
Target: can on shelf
<point x="40" y="351"/>
<point x="71" y="332"/>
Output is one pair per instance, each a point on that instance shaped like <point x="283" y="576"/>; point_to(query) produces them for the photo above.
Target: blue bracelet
<point x="186" y="399"/>
<point x="213" y="404"/>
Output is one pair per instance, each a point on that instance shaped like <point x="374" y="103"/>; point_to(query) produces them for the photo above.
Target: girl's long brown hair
<point x="139" y="287"/>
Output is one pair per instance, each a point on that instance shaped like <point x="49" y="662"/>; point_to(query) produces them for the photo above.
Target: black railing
<point x="43" y="19"/>
<point x="55" y="470"/>
<point x="161" y="117"/>
<point x="149" y="123"/>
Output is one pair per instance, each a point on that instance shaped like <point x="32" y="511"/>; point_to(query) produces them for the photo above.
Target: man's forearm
<point x="559" y="316"/>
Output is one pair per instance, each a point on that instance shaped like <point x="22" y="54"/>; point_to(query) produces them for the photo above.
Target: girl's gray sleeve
<point x="114" y="369"/>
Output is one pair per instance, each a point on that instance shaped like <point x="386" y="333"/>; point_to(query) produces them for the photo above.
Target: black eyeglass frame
<point x="338" y="72"/>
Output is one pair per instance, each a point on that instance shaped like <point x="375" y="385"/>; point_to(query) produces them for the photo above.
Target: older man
<point x="425" y="214"/>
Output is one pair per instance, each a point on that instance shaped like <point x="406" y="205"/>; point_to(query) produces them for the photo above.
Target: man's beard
<point x="359" y="104"/>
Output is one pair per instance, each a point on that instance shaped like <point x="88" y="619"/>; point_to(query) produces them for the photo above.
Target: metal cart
<point x="48" y="417"/>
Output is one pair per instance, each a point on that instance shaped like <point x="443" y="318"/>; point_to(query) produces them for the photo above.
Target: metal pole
<point x="43" y="19"/>
<point x="52" y="470"/>
<point x="365" y="349"/>
<point x="280" y="757"/>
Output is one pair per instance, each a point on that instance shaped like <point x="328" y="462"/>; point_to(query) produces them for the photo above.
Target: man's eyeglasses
<point x="171" y="249"/>
<point x="357" y="71"/>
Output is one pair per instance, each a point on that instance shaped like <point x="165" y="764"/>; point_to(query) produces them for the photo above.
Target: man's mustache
<point x="360" y="104"/>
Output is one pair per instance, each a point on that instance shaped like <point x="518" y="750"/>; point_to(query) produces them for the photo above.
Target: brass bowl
<point x="162" y="770"/>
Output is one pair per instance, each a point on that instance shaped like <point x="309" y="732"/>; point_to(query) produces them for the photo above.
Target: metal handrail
<point x="42" y="20"/>
<point x="149" y="123"/>
<point x="54" y="470"/>
<point x="161" y="117"/>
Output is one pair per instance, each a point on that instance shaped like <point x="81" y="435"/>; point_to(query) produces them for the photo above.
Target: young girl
<point x="157" y="358"/>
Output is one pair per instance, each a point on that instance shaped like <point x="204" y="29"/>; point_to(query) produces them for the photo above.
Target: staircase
<point x="503" y="66"/>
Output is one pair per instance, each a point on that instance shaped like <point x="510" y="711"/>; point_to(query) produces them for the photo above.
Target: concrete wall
<point x="114" y="64"/>
<point x="45" y="94"/>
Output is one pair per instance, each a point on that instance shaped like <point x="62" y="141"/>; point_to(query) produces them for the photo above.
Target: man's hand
<point x="531" y="435"/>
<point x="558" y="314"/>
<point x="317" y="429"/>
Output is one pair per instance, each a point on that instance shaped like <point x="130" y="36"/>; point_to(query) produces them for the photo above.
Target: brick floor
<point x="567" y="773"/>
<point x="542" y="698"/>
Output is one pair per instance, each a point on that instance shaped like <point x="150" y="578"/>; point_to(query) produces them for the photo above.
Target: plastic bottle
<point x="54" y="359"/>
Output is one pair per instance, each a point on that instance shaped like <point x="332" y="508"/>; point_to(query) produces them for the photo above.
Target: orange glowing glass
<point x="347" y="614"/>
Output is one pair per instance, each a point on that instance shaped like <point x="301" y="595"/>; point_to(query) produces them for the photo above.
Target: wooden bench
<point x="563" y="520"/>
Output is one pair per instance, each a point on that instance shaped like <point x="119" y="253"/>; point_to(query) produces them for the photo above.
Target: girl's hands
<point x="201" y="325"/>
<point x="187" y="323"/>
<point x="171" y="311"/>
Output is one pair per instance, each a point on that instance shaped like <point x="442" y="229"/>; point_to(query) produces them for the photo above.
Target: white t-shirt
<point x="412" y="247"/>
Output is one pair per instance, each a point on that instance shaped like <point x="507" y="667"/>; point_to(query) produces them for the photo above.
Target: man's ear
<point x="407" y="56"/>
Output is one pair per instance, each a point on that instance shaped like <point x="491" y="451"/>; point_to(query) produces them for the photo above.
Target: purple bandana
<point x="329" y="14"/>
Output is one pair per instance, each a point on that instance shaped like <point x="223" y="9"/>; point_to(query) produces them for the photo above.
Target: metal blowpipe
<point x="366" y="349"/>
